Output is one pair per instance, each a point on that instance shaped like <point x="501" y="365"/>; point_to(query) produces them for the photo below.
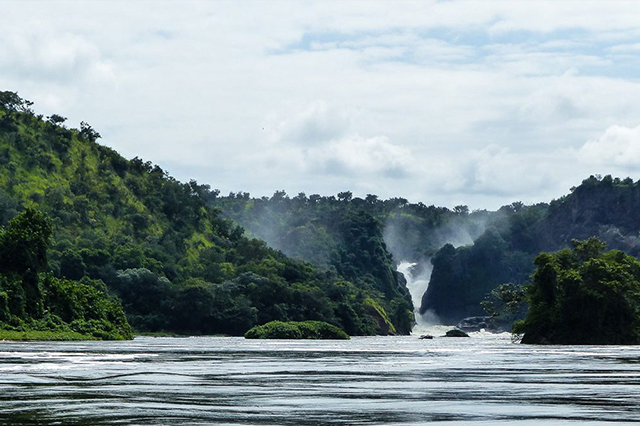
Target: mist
<point x="413" y="244"/>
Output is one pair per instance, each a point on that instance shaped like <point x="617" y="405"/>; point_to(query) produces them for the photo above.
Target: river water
<point x="484" y="379"/>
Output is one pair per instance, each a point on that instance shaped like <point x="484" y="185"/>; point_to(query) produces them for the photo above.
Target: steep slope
<point x="331" y="234"/>
<point x="127" y="227"/>
<point x="606" y="208"/>
<point x="362" y="239"/>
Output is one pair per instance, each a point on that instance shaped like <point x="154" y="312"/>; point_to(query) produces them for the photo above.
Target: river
<point x="484" y="379"/>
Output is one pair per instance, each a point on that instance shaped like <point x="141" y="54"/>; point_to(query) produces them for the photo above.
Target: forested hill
<point x="607" y="208"/>
<point x="129" y="229"/>
<point x="362" y="238"/>
<point x="471" y="253"/>
<point x="125" y="231"/>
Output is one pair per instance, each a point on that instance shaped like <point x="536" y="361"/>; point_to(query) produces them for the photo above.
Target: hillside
<point x="606" y="208"/>
<point x="177" y="259"/>
<point x="470" y="253"/>
<point x="362" y="238"/>
<point x="129" y="229"/>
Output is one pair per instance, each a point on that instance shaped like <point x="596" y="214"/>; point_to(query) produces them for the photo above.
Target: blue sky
<point x="479" y="103"/>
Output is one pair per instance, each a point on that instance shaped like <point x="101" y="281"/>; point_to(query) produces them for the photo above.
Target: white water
<point x="417" y="286"/>
<point x="400" y="381"/>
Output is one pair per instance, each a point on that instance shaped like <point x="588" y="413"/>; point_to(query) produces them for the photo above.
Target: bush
<point x="296" y="330"/>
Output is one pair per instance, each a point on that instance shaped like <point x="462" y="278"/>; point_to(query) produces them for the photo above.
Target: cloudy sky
<point x="448" y="102"/>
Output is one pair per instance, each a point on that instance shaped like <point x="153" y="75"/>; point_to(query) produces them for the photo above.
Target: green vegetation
<point x="125" y="233"/>
<point x="463" y="277"/>
<point x="354" y="238"/>
<point x="505" y="304"/>
<point x="296" y="330"/>
<point x="348" y="233"/>
<point x="583" y="296"/>
<point x="127" y="229"/>
<point x="36" y="305"/>
<point x="46" y="336"/>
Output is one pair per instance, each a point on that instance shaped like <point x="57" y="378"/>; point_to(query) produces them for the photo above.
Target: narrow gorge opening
<point x="418" y="275"/>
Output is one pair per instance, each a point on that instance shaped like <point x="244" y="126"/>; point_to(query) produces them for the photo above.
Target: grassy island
<point x="296" y="330"/>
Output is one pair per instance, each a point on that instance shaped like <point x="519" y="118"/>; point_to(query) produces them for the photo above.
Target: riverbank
<point x="43" y="336"/>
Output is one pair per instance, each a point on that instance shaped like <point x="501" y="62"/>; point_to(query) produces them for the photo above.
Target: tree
<point x="87" y="132"/>
<point x="24" y="243"/>
<point x="371" y="198"/>
<point x="461" y="210"/>
<point x="11" y="102"/>
<point x="506" y="303"/>
<point x="72" y="265"/>
<point x="583" y="296"/>
<point x="23" y="254"/>
<point x="345" y="196"/>
<point x="56" y="119"/>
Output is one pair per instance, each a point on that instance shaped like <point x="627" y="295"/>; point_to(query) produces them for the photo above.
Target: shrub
<point x="296" y="330"/>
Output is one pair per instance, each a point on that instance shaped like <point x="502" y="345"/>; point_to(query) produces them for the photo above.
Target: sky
<point x="443" y="102"/>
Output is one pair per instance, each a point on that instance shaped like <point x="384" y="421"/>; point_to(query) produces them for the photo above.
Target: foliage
<point x="24" y="242"/>
<point x="462" y="277"/>
<point x="173" y="255"/>
<point x="583" y="296"/>
<point x="353" y="237"/>
<point x="46" y="336"/>
<point x="296" y="330"/>
<point x="606" y="207"/>
<point x="35" y="303"/>
<point x="506" y="303"/>
<point x="127" y="228"/>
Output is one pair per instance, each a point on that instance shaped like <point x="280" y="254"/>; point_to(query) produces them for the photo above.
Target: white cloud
<point x="496" y="171"/>
<point x="321" y="140"/>
<point x="54" y="57"/>
<point x="625" y="48"/>
<point x="617" y="146"/>
<point x="315" y="124"/>
<point x="447" y="102"/>
<point x="356" y="155"/>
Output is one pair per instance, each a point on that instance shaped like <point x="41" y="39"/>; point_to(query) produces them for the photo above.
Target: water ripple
<point x="364" y="381"/>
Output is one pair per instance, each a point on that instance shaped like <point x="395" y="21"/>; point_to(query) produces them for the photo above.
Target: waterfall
<point x="417" y="286"/>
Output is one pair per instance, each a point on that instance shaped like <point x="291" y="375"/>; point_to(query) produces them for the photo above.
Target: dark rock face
<point x="533" y="339"/>
<point x="462" y="277"/>
<point x="608" y="210"/>
<point x="456" y="333"/>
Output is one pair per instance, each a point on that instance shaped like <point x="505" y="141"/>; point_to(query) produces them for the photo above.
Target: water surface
<point x="364" y="381"/>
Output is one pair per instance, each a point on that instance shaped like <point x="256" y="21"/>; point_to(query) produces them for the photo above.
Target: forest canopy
<point x="33" y="300"/>
<point x="583" y="295"/>
<point x="129" y="230"/>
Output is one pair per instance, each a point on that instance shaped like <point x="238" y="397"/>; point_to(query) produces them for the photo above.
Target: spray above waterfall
<point x="413" y="243"/>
